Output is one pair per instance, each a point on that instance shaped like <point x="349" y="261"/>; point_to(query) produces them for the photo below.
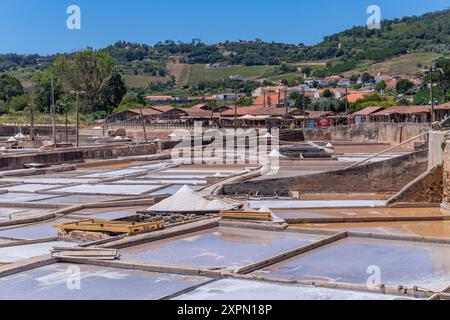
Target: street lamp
<point x="77" y="126"/>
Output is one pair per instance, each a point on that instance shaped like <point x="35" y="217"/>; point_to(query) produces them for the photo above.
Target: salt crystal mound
<point x="275" y="154"/>
<point x="19" y="136"/>
<point x="11" y="139"/>
<point x="265" y="209"/>
<point x="118" y="138"/>
<point x="186" y="200"/>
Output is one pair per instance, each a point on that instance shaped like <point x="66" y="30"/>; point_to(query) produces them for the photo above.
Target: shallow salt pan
<point x="354" y="261"/>
<point x="220" y="247"/>
<point x="28" y="188"/>
<point x="186" y="171"/>
<point x="51" y="181"/>
<point x="18" y="253"/>
<point x="175" y="181"/>
<point x="81" y="199"/>
<point x="231" y="289"/>
<point x="24" y="197"/>
<point x="172" y="190"/>
<point x="115" y="173"/>
<point x="299" y="204"/>
<point x="35" y="231"/>
<point x="97" y="283"/>
<point x="109" y="189"/>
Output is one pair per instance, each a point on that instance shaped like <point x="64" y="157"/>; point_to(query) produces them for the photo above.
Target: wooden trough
<point x="246" y="215"/>
<point x="109" y="226"/>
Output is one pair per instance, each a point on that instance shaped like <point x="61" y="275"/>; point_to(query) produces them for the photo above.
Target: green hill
<point x="402" y="46"/>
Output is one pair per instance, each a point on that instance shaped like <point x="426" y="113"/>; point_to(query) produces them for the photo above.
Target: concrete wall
<point x="446" y="197"/>
<point x="8" y="131"/>
<point x="436" y="150"/>
<point x="385" y="177"/>
<point x="393" y="133"/>
<point x="18" y="161"/>
<point x="427" y="188"/>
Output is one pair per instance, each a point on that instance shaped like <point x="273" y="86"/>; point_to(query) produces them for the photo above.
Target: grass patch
<point x="199" y="72"/>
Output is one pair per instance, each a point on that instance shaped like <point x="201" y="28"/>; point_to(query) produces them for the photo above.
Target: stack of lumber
<point x="110" y="226"/>
<point x="85" y="253"/>
<point x="246" y="215"/>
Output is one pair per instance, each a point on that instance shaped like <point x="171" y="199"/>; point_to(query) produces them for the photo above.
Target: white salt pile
<point x="275" y="218"/>
<point x="275" y="154"/>
<point x="265" y="209"/>
<point x="118" y="138"/>
<point x="19" y="136"/>
<point x="186" y="200"/>
<point x="11" y="139"/>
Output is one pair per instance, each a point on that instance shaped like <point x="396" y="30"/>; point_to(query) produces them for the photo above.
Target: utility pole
<point x="346" y="100"/>
<point x="235" y="109"/>
<point x="143" y="124"/>
<point x="304" y="106"/>
<point x="52" y="108"/>
<point x="32" y="122"/>
<point x="286" y="105"/>
<point x="432" y="95"/>
<point x="66" y="127"/>
<point x="264" y="95"/>
<point x="77" y="125"/>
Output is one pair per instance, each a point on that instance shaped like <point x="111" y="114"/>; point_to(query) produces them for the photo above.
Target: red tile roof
<point x="367" y="111"/>
<point x="271" y="99"/>
<point x="198" y="113"/>
<point x="353" y="97"/>
<point x="158" y="98"/>
<point x="162" y="108"/>
<point x="200" y="106"/>
<point x="403" y="110"/>
<point x="318" y="114"/>
<point x="145" y="111"/>
<point x="255" y="111"/>
<point x="445" y="106"/>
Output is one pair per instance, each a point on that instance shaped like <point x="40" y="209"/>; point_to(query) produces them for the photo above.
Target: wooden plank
<point x="100" y="225"/>
<point x="246" y="215"/>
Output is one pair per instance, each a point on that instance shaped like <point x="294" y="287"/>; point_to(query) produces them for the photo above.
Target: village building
<point x="362" y="116"/>
<point x="159" y="99"/>
<point x="419" y="114"/>
<point x="272" y="100"/>
<point x="261" y="90"/>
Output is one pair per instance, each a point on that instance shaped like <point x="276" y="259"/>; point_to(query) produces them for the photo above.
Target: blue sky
<point x="39" y="26"/>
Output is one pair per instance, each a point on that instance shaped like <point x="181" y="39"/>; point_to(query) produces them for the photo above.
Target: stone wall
<point x="436" y="146"/>
<point x="446" y="197"/>
<point x="17" y="161"/>
<point x="384" y="177"/>
<point x="426" y="189"/>
<point x="393" y="133"/>
<point x="8" y="131"/>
